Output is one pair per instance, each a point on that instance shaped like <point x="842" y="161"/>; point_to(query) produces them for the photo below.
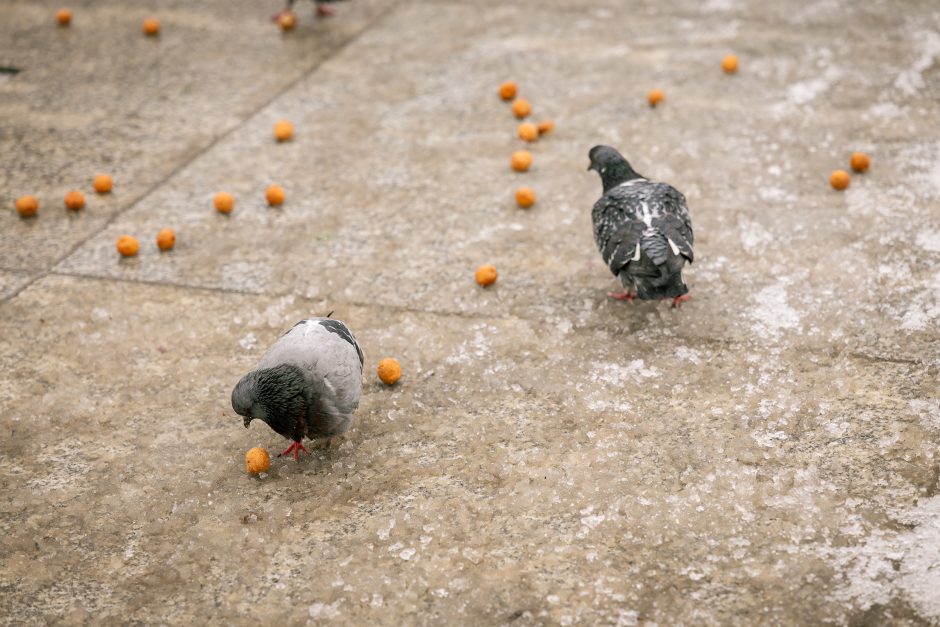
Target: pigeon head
<point x="245" y="399"/>
<point x="273" y="395"/>
<point x="611" y="166"/>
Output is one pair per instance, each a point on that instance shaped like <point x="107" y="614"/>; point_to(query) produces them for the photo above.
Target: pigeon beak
<point x="590" y="167"/>
<point x="247" y="421"/>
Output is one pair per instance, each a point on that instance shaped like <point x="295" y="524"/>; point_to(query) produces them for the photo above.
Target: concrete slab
<point x="100" y="97"/>
<point x="770" y="453"/>
<point x="521" y="468"/>
<point x="11" y="282"/>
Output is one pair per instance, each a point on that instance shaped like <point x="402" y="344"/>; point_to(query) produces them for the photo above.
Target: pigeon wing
<point x="617" y="228"/>
<point x="329" y="356"/>
<point x="672" y="219"/>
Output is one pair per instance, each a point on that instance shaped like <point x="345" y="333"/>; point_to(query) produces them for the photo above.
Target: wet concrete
<point x="769" y="453"/>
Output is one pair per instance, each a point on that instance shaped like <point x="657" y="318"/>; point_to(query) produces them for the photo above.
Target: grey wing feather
<point x="675" y="222"/>
<point x="617" y="230"/>
<point x="332" y="364"/>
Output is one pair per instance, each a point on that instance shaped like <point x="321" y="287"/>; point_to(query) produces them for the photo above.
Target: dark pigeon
<point x="642" y="229"/>
<point x="307" y="384"/>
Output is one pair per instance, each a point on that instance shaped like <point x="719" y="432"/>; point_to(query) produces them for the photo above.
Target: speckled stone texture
<point x="768" y="454"/>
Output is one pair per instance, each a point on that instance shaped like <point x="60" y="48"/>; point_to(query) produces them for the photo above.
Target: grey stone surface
<point x="11" y="282"/>
<point x="768" y="454"/>
<point x="101" y="97"/>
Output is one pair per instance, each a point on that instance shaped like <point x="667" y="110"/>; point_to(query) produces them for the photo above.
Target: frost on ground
<point x="895" y="565"/>
<point x="772" y="313"/>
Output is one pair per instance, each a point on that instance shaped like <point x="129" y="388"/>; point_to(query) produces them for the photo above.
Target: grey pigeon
<point x="307" y="384"/>
<point x="642" y="229"/>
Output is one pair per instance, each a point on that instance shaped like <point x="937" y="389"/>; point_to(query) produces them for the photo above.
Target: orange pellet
<point x="287" y="21"/>
<point x="860" y="161"/>
<point x="74" y="200"/>
<point x="283" y="130"/>
<point x="151" y="27"/>
<point x="257" y="460"/>
<point x="102" y="183"/>
<point x="525" y="197"/>
<point x="507" y="90"/>
<point x="275" y="195"/>
<point x="486" y="275"/>
<point x="840" y="180"/>
<point x="27" y="206"/>
<point x="389" y="371"/>
<point x="546" y="126"/>
<point x="166" y="238"/>
<point x="655" y="97"/>
<point x="63" y="17"/>
<point x="224" y="202"/>
<point x="521" y="107"/>
<point x="521" y="160"/>
<point x="528" y="131"/>
<point x="127" y="246"/>
<point x="729" y="64"/>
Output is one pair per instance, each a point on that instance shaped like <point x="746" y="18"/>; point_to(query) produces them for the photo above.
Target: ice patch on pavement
<point x="771" y="313"/>
<point x="911" y="80"/>
<point x="894" y="564"/>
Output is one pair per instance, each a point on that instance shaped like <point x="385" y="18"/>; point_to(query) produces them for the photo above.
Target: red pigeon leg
<point x="626" y="295"/>
<point x="678" y="300"/>
<point x="295" y="448"/>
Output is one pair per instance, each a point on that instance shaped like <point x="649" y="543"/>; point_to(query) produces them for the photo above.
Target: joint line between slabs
<point x="375" y="21"/>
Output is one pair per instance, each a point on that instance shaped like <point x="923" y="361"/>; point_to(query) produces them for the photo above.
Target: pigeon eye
<point x="603" y="170"/>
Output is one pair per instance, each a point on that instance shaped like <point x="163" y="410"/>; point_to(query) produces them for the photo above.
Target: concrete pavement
<point x="767" y="454"/>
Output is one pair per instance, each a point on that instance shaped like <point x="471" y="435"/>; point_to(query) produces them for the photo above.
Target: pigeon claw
<point x="295" y="448"/>
<point x="325" y="11"/>
<point x="678" y="300"/>
<point x="626" y="295"/>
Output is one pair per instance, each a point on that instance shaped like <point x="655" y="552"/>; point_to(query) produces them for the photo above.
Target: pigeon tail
<point x="650" y="288"/>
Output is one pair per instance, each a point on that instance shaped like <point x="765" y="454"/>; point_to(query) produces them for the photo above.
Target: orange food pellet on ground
<point x="74" y="200"/>
<point x="389" y="371"/>
<point x="102" y="183"/>
<point x="166" y="238"/>
<point x="730" y="64"/>
<point x="507" y="90"/>
<point x="224" y="202"/>
<point x="521" y="107"/>
<point x="546" y="126"/>
<point x="275" y="195"/>
<point x="27" y="206"/>
<point x="521" y="160"/>
<point x="257" y="460"/>
<point x="63" y="17"/>
<point x="860" y="161"/>
<point x="525" y="197"/>
<point x="655" y="97"/>
<point x="127" y="246"/>
<point x="151" y="27"/>
<point x="839" y="180"/>
<point x="528" y="131"/>
<point x="287" y="21"/>
<point x="486" y="275"/>
<point x="283" y="130"/>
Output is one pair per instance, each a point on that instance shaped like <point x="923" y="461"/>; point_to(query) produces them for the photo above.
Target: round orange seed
<point x="27" y="206"/>
<point x="486" y="275"/>
<point x="839" y="180"/>
<point x="389" y="371"/>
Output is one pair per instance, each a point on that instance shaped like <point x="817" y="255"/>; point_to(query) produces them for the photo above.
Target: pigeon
<point x="322" y="9"/>
<point x="642" y="229"/>
<point x="307" y="384"/>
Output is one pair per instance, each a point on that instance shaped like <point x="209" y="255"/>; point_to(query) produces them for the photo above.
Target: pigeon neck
<point x="617" y="174"/>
